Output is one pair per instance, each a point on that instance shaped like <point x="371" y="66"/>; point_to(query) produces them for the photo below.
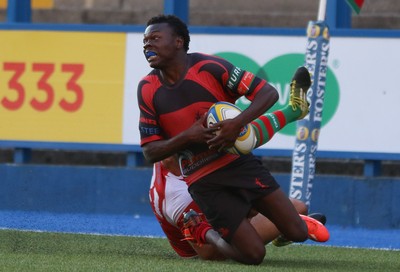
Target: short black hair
<point x="179" y="27"/>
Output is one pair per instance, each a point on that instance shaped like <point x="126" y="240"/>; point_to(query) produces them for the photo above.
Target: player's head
<point x="178" y="27"/>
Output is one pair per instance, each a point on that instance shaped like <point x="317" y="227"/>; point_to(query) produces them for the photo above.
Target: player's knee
<point x="301" y="236"/>
<point x="298" y="232"/>
<point x="256" y="256"/>
<point x="297" y="236"/>
<point x="252" y="252"/>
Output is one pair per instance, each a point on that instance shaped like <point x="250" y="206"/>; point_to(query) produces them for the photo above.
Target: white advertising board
<point x="365" y="95"/>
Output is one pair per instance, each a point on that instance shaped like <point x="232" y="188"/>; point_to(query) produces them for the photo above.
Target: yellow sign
<point x="62" y="86"/>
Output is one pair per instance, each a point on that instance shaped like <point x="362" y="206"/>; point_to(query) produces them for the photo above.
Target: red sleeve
<point x="148" y="123"/>
<point x="239" y="82"/>
<point x="256" y="90"/>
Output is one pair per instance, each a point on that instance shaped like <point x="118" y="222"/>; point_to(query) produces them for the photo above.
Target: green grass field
<point x="39" y="251"/>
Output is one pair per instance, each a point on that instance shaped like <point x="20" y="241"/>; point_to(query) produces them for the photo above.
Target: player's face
<point x="159" y="45"/>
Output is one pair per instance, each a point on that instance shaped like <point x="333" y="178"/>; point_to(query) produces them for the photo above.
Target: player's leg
<point x="248" y="242"/>
<point x="297" y="228"/>
<point x="267" y="125"/>
<point x="266" y="229"/>
<point x="323" y="234"/>
<point x="245" y="245"/>
<point x="220" y="197"/>
<point x="209" y="244"/>
<point x="280" y="210"/>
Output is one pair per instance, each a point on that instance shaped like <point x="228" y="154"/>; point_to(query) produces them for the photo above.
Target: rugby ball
<point x="246" y="140"/>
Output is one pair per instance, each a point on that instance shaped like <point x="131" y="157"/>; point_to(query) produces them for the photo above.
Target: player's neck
<point x="176" y="71"/>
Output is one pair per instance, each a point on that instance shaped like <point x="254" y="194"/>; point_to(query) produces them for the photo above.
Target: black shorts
<point x="226" y="195"/>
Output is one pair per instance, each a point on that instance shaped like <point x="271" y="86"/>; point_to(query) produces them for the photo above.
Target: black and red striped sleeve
<point x="149" y="127"/>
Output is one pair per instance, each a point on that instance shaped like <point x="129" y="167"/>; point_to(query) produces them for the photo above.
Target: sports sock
<point x="200" y="233"/>
<point x="268" y="124"/>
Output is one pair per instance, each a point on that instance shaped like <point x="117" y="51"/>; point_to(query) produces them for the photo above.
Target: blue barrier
<point x="22" y="150"/>
<point x="354" y="202"/>
<point x="69" y="189"/>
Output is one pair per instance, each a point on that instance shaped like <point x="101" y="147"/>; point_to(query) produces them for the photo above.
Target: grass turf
<point x="40" y="251"/>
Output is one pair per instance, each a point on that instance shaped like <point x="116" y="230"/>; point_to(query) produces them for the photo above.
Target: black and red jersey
<point x="167" y="110"/>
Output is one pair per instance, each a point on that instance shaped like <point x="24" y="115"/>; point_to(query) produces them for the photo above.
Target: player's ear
<point x="179" y="42"/>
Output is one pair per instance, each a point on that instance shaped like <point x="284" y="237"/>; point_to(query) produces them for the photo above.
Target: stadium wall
<point x="347" y="201"/>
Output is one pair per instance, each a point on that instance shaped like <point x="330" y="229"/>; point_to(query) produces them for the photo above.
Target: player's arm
<point x="154" y="144"/>
<point x="158" y="150"/>
<point x="229" y="129"/>
<point x="237" y="82"/>
<point x="265" y="98"/>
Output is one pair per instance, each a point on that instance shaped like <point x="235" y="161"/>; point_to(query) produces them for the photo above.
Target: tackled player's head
<point x="178" y="26"/>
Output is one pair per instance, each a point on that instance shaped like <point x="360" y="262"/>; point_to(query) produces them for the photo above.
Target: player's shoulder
<point x="151" y="76"/>
<point x="149" y="83"/>
<point x="209" y="62"/>
<point x="197" y="57"/>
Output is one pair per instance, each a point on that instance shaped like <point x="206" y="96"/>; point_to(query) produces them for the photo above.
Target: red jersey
<point x="167" y="110"/>
<point x="169" y="200"/>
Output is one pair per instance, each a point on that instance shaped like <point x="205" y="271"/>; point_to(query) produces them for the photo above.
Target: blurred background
<point x="50" y="161"/>
<point x="384" y="14"/>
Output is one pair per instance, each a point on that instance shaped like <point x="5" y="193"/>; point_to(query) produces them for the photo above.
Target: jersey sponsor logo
<point x="234" y="78"/>
<point x="149" y="130"/>
<point x="245" y="83"/>
<point x="147" y="121"/>
<point x="189" y="162"/>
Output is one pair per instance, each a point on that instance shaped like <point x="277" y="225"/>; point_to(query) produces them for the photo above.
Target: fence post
<point x="338" y="14"/>
<point x="179" y="8"/>
<point x="19" y="11"/>
<point x="22" y="155"/>
<point x="134" y="159"/>
<point x="372" y="168"/>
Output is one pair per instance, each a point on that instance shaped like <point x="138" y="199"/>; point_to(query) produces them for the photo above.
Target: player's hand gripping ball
<point x="246" y="141"/>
